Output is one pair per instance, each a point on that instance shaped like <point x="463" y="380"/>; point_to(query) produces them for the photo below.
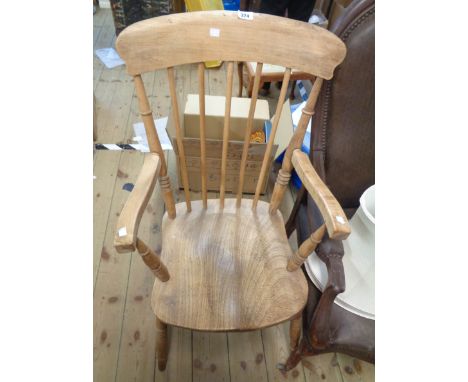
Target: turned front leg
<point x="306" y="248"/>
<point x="152" y="261"/>
<point x="161" y="344"/>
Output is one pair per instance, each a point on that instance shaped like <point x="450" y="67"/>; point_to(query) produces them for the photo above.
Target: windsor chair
<point x="226" y="263"/>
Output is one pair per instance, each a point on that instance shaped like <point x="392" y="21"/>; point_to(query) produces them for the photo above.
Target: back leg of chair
<point x="162" y="345"/>
<point x="295" y="331"/>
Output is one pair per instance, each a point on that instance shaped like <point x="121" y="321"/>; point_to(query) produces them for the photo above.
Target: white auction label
<point x="340" y="219"/>
<point x="245" y="15"/>
<point x="214" y="32"/>
<point x="122" y="231"/>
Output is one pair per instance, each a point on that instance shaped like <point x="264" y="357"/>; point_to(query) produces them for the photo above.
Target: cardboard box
<point x="214" y="117"/>
<point x="213" y="164"/>
<point x="214" y="111"/>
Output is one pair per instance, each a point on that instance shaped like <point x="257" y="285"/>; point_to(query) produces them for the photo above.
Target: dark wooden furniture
<point x="250" y="5"/>
<point x="343" y="155"/>
<point x="128" y="12"/>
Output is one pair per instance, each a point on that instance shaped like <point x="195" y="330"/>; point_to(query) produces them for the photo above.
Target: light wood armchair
<point x="226" y="263"/>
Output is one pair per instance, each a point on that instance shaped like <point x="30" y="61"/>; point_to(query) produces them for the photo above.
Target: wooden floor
<point x="124" y="330"/>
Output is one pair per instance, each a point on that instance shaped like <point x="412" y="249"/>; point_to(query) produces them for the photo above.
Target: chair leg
<point x="295" y="331"/>
<point x="240" y="66"/>
<point x="162" y="345"/>
<point x="295" y="357"/>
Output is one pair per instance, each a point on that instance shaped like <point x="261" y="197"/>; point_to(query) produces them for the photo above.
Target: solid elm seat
<point x="228" y="269"/>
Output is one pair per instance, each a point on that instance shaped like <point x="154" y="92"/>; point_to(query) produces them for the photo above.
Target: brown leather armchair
<point x="343" y="155"/>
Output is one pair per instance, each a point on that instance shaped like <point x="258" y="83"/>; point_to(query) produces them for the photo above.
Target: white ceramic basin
<point x="358" y="261"/>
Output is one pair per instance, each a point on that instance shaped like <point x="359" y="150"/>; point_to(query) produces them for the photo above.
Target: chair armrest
<point x="332" y="213"/>
<point x="129" y="219"/>
<point x="331" y="253"/>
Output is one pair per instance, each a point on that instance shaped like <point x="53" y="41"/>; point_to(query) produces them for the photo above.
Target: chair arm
<point x="331" y="253"/>
<point x="332" y="213"/>
<point x="129" y="220"/>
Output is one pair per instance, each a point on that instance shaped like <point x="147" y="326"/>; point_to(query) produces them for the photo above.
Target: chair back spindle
<point x="180" y="144"/>
<point x="295" y="143"/>
<point x="266" y="158"/>
<point x="154" y="144"/>
<point x="148" y="121"/>
<point x="248" y="131"/>
<point x="227" y="120"/>
<point x="299" y="133"/>
<point x="201" y="95"/>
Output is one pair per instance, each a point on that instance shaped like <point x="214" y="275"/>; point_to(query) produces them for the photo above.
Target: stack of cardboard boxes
<point x="214" y="122"/>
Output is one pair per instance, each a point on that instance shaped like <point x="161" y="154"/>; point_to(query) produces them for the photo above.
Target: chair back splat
<point x="186" y="38"/>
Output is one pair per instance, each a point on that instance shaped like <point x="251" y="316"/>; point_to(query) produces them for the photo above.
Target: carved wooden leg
<point x="161" y="344"/>
<point x="240" y="74"/>
<point x="306" y="248"/>
<point x="295" y="327"/>
<point x="152" y="261"/>
<point x="294" y="357"/>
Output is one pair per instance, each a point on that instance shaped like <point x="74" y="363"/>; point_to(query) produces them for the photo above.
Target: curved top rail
<point x="185" y="38"/>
